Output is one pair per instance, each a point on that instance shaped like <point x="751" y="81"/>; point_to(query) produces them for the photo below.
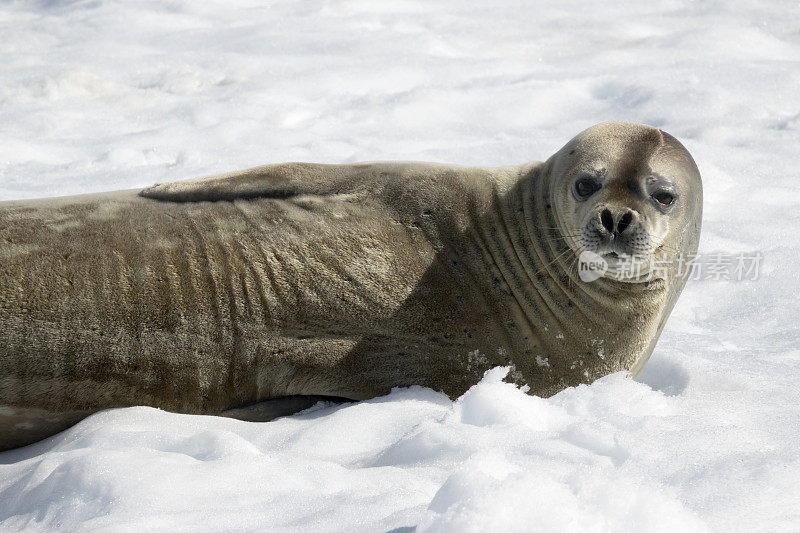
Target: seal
<point x="254" y="294"/>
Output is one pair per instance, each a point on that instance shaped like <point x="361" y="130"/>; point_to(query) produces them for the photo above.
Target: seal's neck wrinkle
<point x="554" y="258"/>
<point x="527" y="243"/>
<point x="531" y="284"/>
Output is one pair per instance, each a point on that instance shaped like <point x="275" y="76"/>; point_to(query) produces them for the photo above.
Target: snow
<point x="103" y="94"/>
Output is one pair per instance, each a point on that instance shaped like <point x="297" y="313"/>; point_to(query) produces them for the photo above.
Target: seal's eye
<point x="585" y="187"/>
<point x="664" y="197"/>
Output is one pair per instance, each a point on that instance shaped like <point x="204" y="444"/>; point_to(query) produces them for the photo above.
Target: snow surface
<point x="101" y="94"/>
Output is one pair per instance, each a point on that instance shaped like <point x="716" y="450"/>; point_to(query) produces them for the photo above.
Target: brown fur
<point x="302" y="279"/>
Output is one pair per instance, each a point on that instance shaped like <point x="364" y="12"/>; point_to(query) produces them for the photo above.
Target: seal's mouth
<point x="614" y="252"/>
<point x="620" y="251"/>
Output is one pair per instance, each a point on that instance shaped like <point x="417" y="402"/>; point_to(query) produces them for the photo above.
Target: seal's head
<point x="626" y="192"/>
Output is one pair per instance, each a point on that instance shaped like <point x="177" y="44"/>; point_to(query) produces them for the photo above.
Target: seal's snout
<point x="615" y="224"/>
<point x="616" y="229"/>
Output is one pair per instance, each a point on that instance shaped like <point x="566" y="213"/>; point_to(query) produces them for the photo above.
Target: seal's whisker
<point x="556" y="258"/>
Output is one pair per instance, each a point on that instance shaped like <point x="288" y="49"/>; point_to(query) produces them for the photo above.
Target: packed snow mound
<point x="495" y="459"/>
<point x="613" y="456"/>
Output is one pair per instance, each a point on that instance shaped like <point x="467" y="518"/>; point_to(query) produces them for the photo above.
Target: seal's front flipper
<point x="280" y="181"/>
<point x="278" y="407"/>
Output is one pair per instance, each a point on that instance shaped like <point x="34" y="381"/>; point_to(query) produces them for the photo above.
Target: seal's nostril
<point x="624" y="222"/>
<point x="607" y="220"/>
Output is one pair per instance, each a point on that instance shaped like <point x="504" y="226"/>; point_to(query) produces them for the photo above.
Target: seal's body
<point x="334" y="280"/>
